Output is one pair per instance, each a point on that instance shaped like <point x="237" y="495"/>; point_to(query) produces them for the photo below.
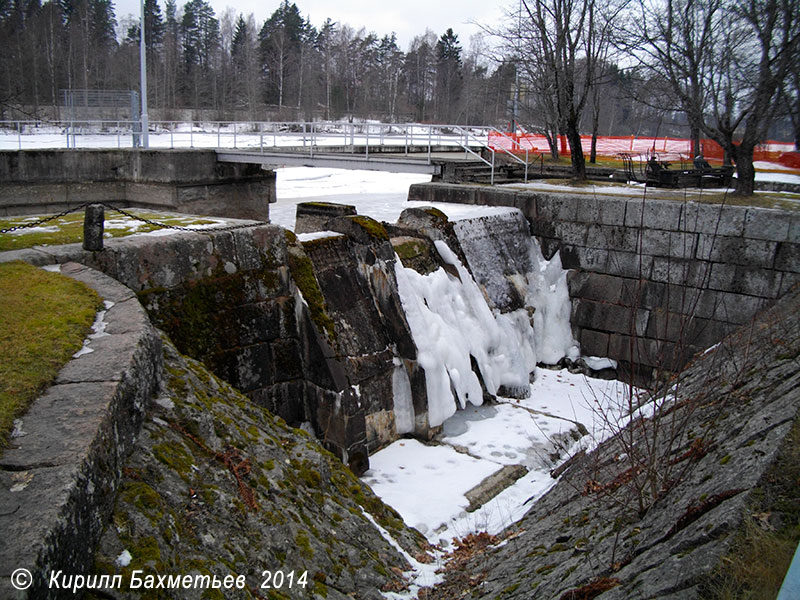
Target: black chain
<point x="177" y="227"/>
<point x="130" y="215"/>
<point x="44" y="220"/>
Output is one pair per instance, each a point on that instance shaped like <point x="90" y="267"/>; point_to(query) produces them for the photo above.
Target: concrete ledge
<point x="188" y="181"/>
<point x="58" y="482"/>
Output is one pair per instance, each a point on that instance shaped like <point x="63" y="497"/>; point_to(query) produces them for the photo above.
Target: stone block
<point x="665" y="215"/>
<point x="766" y="224"/>
<point x="728" y="307"/>
<point x="314" y="216"/>
<point x="749" y="252"/>
<point x="714" y="219"/>
<point x="655" y="242"/>
<point x="634" y="213"/>
<point x="595" y="286"/>
<point x="613" y="237"/>
<point x="490" y="196"/>
<point x="573" y="234"/>
<point x="629" y="264"/>
<point x="543" y="228"/>
<point x="592" y="259"/>
<point x="588" y="210"/>
<point x="678" y="271"/>
<point x="557" y="207"/>
<point x="738" y="279"/>
<point x="642" y="293"/>
<point x="612" y="211"/>
<point x="593" y="342"/>
<point x="569" y="254"/>
<point x="794" y="229"/>
<point x="788" y="281"/>
<point x="684" y="299"/>
<point x="612" y="318"/>
<point x="641" y="352"/>
<point x="787" y="257"/>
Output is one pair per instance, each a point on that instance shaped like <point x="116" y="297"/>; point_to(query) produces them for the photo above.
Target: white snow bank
<point x="425" y="484"/>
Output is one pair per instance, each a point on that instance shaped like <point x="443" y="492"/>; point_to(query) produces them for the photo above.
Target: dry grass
<point x="763" y="549"/>
<point x="45" y="317"/>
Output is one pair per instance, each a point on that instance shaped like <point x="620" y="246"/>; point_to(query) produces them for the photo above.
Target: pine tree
<point x="280" y="40"/>
<point x="449" y="77"/>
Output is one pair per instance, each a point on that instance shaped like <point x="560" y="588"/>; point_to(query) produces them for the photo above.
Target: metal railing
<point x="311" y="136"/>
<point x="307" y="138"/>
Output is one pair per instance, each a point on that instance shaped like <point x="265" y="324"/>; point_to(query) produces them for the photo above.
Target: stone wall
<point x="59" y="480"/>
<point x="188" y="181"/>
<point x="726" y="451"/>
<point x="654" y="281"/>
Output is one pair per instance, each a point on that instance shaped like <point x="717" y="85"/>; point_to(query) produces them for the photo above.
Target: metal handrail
<point x="248" y="134"/>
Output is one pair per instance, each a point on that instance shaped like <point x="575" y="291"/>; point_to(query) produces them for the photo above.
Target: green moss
<point x="69" y="228"/>
<point x="760" y="552"/>
<point x="373" y="228"/>
<point x="410" y="249"/>
<point x="725" y="459"/>
<point x="545" y="569"/>
<point x="141" y="495"/>
<point x="509" y="590"/>
<point x="303" y="274"/>
<point x="435" y="212"/>
<point x="175" y="456"/>
<point x="307" y="473"/>
<point x="304" y="545"/>
<point x="145" y="551"/>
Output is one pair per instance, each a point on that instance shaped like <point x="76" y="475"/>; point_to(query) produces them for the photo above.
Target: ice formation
<point x="452" y="323"/>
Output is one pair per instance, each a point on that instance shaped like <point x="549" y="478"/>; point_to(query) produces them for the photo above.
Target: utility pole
<point x="143" y="69"/>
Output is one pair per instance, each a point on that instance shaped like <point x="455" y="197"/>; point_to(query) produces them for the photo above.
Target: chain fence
<point x="130" y="215"/>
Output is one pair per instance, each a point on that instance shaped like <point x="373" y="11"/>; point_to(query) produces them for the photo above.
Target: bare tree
<point x="558" y="44"/>
<point x="725" y="61"/>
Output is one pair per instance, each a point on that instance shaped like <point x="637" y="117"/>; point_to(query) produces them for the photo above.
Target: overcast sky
<point x="407" y="18"/>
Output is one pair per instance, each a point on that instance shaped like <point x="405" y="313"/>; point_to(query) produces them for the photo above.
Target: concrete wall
<point x="188" y="181"/>
<point x="654" y="280"/>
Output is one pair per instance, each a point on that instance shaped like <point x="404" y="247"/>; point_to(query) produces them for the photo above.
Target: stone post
<point x="93" y="222"/>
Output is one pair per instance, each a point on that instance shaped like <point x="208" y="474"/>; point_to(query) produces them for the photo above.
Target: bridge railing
<point x="310" y="137"/>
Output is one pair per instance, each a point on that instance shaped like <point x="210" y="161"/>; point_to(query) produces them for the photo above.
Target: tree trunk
<point x="552" y="142"/>
<point x="695" y="137"/>
<point x="745" y="173"/>
<point x="576" y="151"/>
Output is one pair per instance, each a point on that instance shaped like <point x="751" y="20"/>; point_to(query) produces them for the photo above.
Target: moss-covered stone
<point x="220" y="488"/>
<point x="303" y="274"/>
<point x="373" y="228"/>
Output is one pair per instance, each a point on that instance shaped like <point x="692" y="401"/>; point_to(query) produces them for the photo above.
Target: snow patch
<point x="98" y="330"/>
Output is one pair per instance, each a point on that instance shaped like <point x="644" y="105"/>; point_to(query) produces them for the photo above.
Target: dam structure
<point x="362" y="332"/>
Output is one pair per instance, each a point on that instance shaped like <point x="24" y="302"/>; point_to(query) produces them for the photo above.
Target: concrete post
<point x="93" y="223"/>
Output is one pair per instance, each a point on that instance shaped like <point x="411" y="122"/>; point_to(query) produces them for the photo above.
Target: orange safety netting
<point x="519" y="143"/>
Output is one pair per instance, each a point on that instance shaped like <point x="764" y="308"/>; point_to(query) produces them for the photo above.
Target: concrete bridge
<point x="386" y="159"/>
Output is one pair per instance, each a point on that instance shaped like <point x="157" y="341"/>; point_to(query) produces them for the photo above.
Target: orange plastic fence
<point x="519" y="143"/>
